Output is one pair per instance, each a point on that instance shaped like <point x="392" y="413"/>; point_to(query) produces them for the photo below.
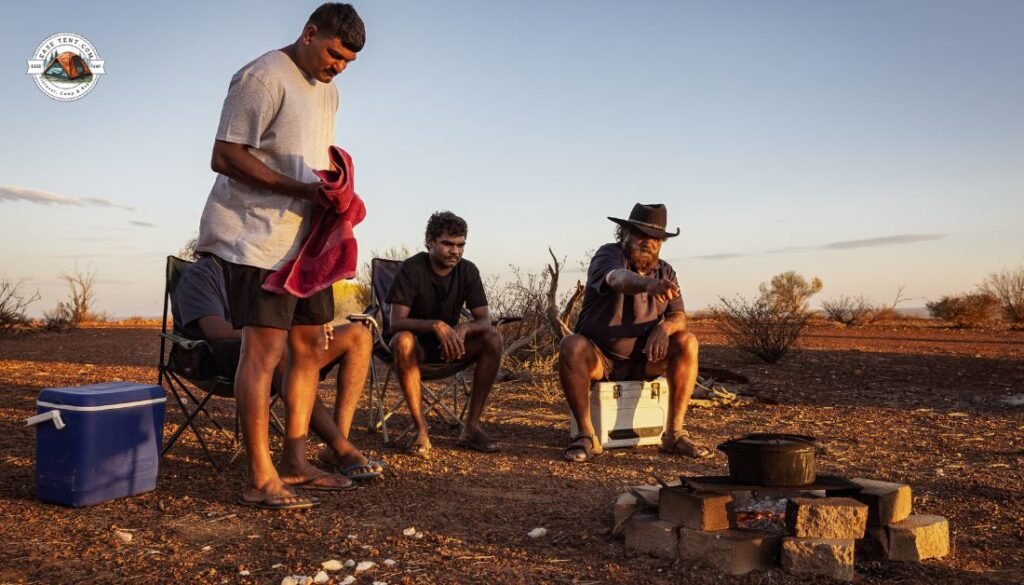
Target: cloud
<point x="143" y="223"/>
<point x="865" y="243"/>
<point x="883" y="241"/>
<point x="11" y="193"/>
<point x="724" y="256"/>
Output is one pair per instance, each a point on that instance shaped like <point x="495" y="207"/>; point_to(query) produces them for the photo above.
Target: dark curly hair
<point x="621" y="232"/>
<point x="342" y="21"/>
<point x="445" y="221"/>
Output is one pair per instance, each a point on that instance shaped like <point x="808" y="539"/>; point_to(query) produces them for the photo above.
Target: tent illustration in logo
<point x="68" y="66"/>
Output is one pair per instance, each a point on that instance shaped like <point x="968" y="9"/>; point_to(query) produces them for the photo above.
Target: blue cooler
<point x="97" y="443"/>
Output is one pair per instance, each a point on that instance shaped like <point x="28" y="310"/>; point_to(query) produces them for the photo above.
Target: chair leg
<point x="190" y="419"/>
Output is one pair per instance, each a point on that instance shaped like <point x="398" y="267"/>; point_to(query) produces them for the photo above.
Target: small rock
<point x="125" y="537"/>
<point x="352" y="537"/>
<point x="418" y="535"/>
<point x="207" y="547"/>
<point x="321" y="577"/>
<point x="347" y="580"/>
<point x="244" y="573"/>
<point x="380" y="583"/>
<point x="276" y="565"/>
<point x="349" y="564"/>
<point x="365" y="566"/>
<point x="537" y="532"/>
<point x="331" y="565"/>
<point x="390" y="562"/>
<point x="289" y="580"/>
<point x="410" y="531"/>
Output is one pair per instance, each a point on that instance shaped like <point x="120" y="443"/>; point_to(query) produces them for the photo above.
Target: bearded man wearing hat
<point x="631" y="327"/>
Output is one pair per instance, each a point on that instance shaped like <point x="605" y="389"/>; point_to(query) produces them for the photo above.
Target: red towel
<point x="329" y="252"/>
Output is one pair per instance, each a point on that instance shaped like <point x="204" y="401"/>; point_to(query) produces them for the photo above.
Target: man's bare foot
<point x="419" y="447"/>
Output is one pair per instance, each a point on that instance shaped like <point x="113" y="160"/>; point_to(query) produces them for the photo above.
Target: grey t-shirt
<point x="200" y="293"/>
<point x="287" y="121"/>
<point x="614" y="321"/>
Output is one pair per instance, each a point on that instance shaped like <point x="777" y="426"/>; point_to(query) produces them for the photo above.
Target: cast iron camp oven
<point x="771" y="459"/>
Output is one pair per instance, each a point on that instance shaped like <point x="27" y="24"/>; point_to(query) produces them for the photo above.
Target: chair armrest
<point x="183" y="342"/>
<point x="367" y="317"/>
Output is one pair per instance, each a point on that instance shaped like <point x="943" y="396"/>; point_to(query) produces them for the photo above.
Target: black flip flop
<point x="268" y="503"/>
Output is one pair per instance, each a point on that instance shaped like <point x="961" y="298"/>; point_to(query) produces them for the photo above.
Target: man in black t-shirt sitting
<point x="631" y="327"/>
<point x="426" y="299"/>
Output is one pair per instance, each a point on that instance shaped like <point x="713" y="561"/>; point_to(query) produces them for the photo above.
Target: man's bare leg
<point x="485" y="349"/>
<point x="262" y="348"/>
<point x="352" y="344"/>
<point x="305" y="354"/>
<point x="681" y="371"/>
<point x="578" y="366"/>
<point x="407" y="354"/>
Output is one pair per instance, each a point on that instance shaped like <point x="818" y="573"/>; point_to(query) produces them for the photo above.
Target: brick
<point x="697" y="510"/>
<point x="624" y="507"/>
<point x="818" y="556"/>
<point x="649" y="494"/>
<point x="734" y="552"/>
<point x="919" y="537"/>
<point x="887" y="502"/>
<point x="828" y="518"/>
<point x="874" y="545"/>
<point x="648" y="535"/>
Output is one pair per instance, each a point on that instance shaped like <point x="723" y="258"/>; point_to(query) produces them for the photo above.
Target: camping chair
<point x="443" y="400"/>
<point x="181" y="370"/>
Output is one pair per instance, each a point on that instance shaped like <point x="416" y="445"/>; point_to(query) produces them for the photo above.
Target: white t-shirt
<point x="287" y="121"/>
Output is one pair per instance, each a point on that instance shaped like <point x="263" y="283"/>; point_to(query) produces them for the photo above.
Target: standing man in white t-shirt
<point x="275" y="127"/>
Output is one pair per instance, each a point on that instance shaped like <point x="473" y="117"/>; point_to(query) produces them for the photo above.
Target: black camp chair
<point x="181" y="368"/>
<point x="447" y="401"/>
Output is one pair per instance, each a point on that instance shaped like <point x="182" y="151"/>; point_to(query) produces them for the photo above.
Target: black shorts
<point x="252" y="306"/>
<point x="638" y="368"/>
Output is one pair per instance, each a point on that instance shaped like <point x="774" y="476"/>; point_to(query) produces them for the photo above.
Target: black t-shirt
<point x="615" y="321"/>
<point x="430" y="296"/>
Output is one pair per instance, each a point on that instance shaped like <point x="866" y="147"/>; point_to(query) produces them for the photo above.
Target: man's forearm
<point x="626" y="282"/>
<point x="240" y="165"/>
<point x="418" y="326"/>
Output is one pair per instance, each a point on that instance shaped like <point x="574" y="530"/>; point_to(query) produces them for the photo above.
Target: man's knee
<point x="355" y="337"/>
<point x="573" y="349"/>
<point x="684" y="343"/>
<point x="403" y="345"/>
<point x="493" y="343"/>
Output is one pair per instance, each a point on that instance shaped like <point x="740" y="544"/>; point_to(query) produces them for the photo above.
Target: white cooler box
<point x="628" y="413"/>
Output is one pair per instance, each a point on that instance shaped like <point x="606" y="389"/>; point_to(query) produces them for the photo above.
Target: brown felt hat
<point x="649" y="218"/>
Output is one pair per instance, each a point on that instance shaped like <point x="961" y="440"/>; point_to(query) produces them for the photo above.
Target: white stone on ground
<point x="365" y="566"/>
<point x="537" y="532"/>
<point x="125" y="537"/>
<point x="347" y="580"/>
<point x="331" y="565"/>
<point x="244" y="573"/>
<point x="390" y="562"/>
<point x="410" y="531"/>
<point x="321" y="577"/>
<point x="349" y="564"/>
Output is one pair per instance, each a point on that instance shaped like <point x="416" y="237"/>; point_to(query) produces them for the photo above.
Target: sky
<point x="872" y="144"/>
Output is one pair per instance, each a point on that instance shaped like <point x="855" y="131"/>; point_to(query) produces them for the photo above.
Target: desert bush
<point x="60" y="318"/>
<point x="81" y="297"/>
<point x="966" y="310"/>
<point x="850" y="311"/>
<point x="14" y="304"/>
<point x="362" y="279"/>
<point x="1008" y="287"/>
<point x="789" y="291"/>
<point x="761" y="327"/>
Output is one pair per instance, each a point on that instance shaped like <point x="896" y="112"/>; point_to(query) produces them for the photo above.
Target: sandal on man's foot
<point x="357" y="471"/>
<point x="582" y="448"/>
<point x="679" y="443"/>
<point x="281" y="502"/>
<point x="479" y="441"/>
<point x="327" y="482"/>
<point x="419" y="448"/>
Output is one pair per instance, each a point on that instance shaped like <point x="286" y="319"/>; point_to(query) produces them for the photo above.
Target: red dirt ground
<point x="917" y="403"/>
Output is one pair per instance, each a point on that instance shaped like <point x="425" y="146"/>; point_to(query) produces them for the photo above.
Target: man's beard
<point x="641" y="260"/>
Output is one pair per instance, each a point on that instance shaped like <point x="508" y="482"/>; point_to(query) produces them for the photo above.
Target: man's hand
<point x="657" y="344"/>
<point x="453" y="345"/>
<point x="312" y="192"/>
<point x="663" y="290"/>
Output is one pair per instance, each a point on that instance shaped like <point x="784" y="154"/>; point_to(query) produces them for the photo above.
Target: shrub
<point x="13" y="304"/>
<point x="59" y="319"/>
<point x="790" y="292"/>
<point x="966" y="310"/>
<point x="849" y="311"/>
<point x="761" y="327"/>
<point x="1008" y="287"/>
